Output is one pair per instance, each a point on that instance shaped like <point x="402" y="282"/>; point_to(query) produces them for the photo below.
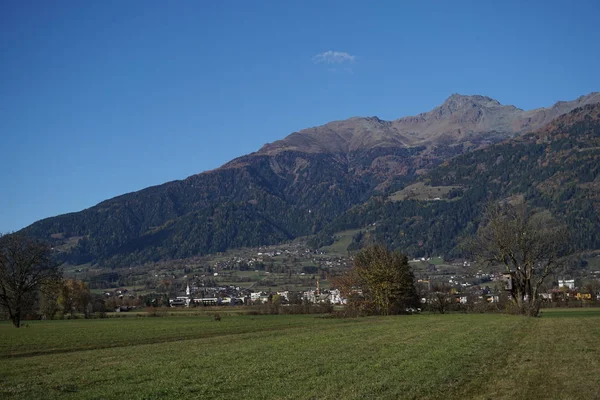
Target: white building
<point x="569" y="284"/>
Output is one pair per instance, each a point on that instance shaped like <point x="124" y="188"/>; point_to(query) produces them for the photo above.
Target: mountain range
<point x="340" y="174"/>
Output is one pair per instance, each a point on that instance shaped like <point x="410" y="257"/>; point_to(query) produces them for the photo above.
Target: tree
<point x="381" y="282"/>
<point x="528" y="245"/>
<point x="26" y="265"/>
<point x="439" y="298"/>
<point x="74" y="296"/>
<point x="48" y="300"/>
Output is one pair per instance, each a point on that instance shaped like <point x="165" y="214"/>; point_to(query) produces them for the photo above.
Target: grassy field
<point x="480" y="356"/>
<point x="420" y="191"/>
<point x="339" y="247"/>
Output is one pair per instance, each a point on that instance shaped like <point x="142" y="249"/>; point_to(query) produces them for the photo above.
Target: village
<point x="294" y="274"/>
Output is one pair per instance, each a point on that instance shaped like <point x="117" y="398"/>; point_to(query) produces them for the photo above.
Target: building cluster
<point x="232" y="296"/>
<point x="497" y="286"/>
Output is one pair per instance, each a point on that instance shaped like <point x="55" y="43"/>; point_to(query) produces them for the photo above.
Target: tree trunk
<point x="16" y="319"/>
<point x="534" y="308"/>
<point x="528" y="307"/>
<point x="525" y="299"/>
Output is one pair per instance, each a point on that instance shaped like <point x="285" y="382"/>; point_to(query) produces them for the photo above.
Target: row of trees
<point x="68" y="296"/>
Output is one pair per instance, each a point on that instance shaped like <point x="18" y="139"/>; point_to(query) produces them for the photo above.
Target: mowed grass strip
<point x="47" y="337"/>
<point x="555" y="357"/>
<point x="420" y="357"/>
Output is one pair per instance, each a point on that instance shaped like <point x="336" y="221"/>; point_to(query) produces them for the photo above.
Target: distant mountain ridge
<point x="293" y="187"/>
<point x="460" y="118"/>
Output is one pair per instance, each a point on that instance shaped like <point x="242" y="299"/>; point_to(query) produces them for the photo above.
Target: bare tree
<point x="439" y="298"/>
<point x="26" y="265"/>
<point x="528" y="245"/>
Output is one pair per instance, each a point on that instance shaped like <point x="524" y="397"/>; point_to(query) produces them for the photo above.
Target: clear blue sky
<point x="100" y="98"/>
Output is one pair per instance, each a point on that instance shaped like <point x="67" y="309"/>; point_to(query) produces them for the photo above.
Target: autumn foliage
<point x="380" y="283"/>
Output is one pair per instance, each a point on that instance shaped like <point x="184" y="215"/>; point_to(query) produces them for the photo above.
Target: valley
<point x="299" y="200"/>
<point x="340" y="177"/>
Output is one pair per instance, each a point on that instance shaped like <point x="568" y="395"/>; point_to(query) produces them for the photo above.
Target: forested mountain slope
<point x="290" y="188"/>
<point x="556" y="167"/>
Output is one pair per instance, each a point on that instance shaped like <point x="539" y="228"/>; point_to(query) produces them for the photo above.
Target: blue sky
<point x="100" y="98"/>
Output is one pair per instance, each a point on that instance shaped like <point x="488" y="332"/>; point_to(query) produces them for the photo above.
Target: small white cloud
<point x="333" y="57"/>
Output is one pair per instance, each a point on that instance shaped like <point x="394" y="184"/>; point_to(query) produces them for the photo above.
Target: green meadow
<point x="458" y="356"/>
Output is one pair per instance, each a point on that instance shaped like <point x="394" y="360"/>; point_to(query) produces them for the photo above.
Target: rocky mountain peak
<point x="460" y="118"/>
<point x="457" y="102"/>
